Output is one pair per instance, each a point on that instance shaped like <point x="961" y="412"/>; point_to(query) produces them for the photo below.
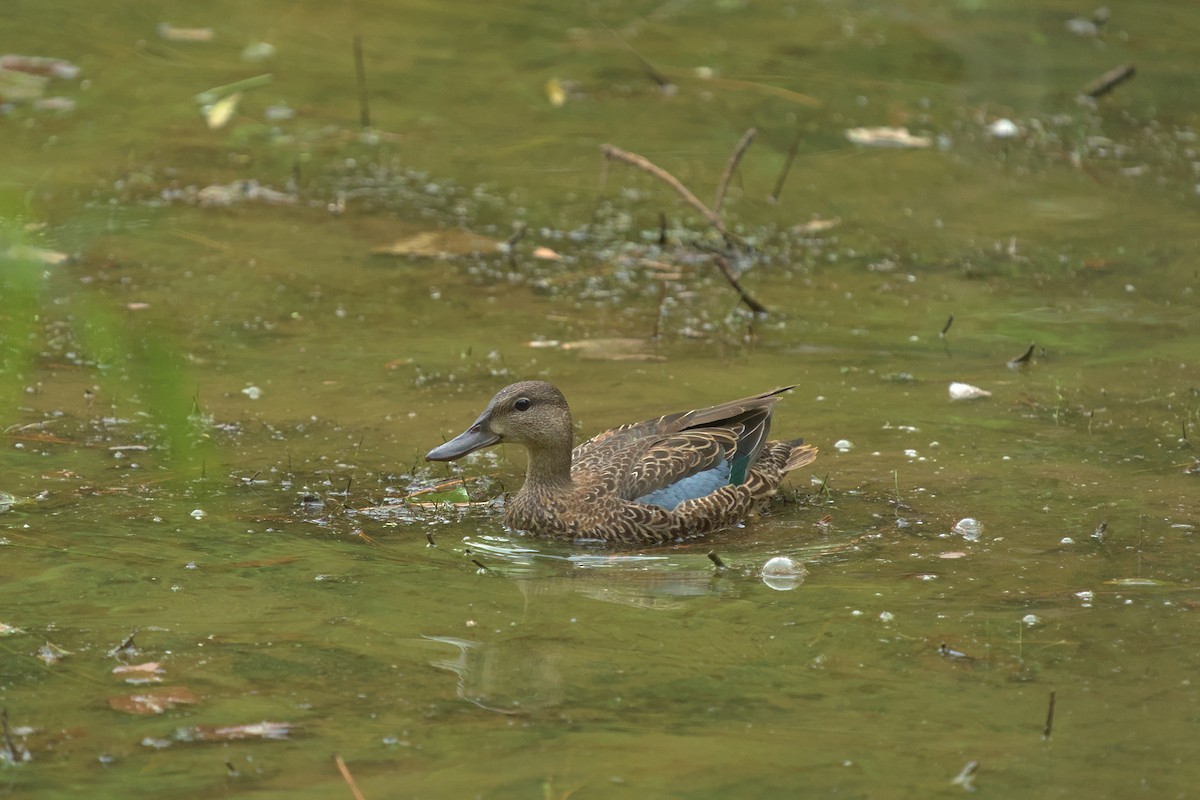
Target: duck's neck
<point x="549" y="467"/>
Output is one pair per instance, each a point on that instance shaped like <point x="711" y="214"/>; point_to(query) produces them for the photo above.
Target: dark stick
<point x="731" y="165"/>
<point x="360" y="73"/>
<point x="663" y="81"/>
<point x="1024" y="358"/>
<point x="787" y="167"/>
<point x="662" y="229"/>
<point x="429" y="538"/>
<point x="479" y="564"/>
<point x="716" y="559"/>
<point x="727" y="271"/>
<point x="946" y="327"/>
<point x="1110" y="80"/>
<point x="1049" y="718"/>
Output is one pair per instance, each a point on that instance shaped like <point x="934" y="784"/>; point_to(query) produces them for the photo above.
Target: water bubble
<point x="783" y="574"/>
<point x="1031" y="619"/>
<point x="843" y="445"/>
<point x="968" y="528"/>
<point x="198" y="514"/>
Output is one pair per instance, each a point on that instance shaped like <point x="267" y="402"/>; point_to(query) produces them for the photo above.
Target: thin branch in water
<point x="716" y="559"/>
<point x="347" y="777"/>
<point x="664" y="83"/>
<point x="1049" y="718"/>
<point x="1109" y="81"/>
<point x="787" y="167"/>
<point x="641" y="162"/>
<point x="946" y="327"/>
<point x="360" y="75"/>
<point x="726" y="270"/>
<point x="731" y="165"/>
<point x="662" y="228"/>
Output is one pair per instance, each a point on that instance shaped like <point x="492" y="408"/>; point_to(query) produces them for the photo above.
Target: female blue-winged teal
<point x="671" y="478"/>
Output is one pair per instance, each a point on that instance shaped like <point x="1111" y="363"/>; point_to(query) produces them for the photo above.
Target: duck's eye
<point x="522" y="403"/>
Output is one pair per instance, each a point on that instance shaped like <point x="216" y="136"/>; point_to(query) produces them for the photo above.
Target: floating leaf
<point x="220" y="112"/>
<point x="1135" y="582"/>
<point x="556" y="93"/>
<point x="887" y="137"/>
<point x="440" y="244"/>
<point x="230" y="733"/>
<point x="815" y="226"/>
<point x="172" y="34"/>
<point x="155" y="701"/>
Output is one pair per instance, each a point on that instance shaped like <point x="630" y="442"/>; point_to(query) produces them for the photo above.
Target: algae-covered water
<point x="233" y="326"/>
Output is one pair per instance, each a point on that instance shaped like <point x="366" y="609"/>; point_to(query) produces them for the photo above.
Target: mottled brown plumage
<point x="676" y="477"/>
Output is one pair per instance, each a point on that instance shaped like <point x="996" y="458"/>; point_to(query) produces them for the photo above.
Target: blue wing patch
<point x="689" y="488"/>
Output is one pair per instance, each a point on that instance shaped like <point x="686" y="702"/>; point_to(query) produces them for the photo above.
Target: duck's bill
<point x="470" y="440"/>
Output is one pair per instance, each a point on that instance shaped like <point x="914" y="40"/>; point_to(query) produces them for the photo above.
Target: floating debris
<point x="1109" y="81"/>
<point x="954" y="655"/>
<point x="966" y="777"/>
<point x="968" y="528"/>
<point x="154" y="701"/>
<point x="40" y="65"/>
<point x="815" y="225"/>
<point x="173" y="34"/>
<point x="51" y="654"/>
<point x="1003" y="128"/>
<point x="217" y="114"/>
<point x="1088" y="27"/>
<point x="555" y="93"/>
<point x="231" y="194"/>
<point x="443" y="244"/>
<point x="783" y="574"/>
<point x="887" y="137"/>
<point x="843" y="445"/>
<point x="230" y="733"/>
<point x="965" y="391"/>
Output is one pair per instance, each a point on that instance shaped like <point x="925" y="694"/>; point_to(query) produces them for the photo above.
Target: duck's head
<point x="531" y="413"/>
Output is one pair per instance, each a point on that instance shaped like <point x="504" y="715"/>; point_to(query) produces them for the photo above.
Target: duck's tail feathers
<point x="801" y="455"/>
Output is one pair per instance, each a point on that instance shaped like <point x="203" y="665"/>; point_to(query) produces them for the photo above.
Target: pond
<point x="236" y="317"/>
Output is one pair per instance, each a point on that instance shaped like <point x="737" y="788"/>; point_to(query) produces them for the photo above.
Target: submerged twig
<point x="641" y="162"/>
<point x="347" y="777"/>
<point x="731" y="165"/>
<point x="946" y="327"/>
<point x="664" y="83"/>
<point x="360" y="75"/>
<point x="1109" y="81"/>
<point x="716" y="559"/>
<point x="787" y="167"/>
<point x="1049" y="717"/>
<point x="723" y="263"/>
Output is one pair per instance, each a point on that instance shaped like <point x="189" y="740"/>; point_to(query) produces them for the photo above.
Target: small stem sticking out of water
<point x="429" y="539"/>
<point x="360" y="75"/>
<point x="1049" y="718"/>
<point x="716" y="559"/>
<point x="347" y="777"/>
<point x="730" y="166"/>
<point x="787" y="167"/>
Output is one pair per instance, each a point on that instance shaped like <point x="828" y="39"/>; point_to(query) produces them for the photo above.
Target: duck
<point x="677" y="477"/>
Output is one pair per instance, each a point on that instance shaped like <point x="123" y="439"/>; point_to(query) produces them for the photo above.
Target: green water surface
<point x="217" y="401"/>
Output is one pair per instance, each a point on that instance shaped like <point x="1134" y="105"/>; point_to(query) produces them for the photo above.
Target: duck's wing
<point x="680" y="456"/>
